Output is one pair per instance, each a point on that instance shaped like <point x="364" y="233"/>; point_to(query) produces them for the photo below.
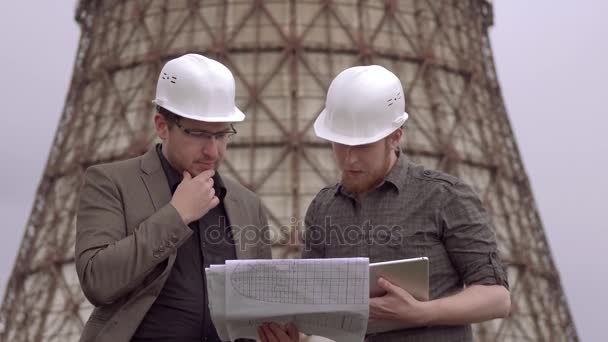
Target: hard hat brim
<point x="236" y="116"/>
<point x="323" y="132"/>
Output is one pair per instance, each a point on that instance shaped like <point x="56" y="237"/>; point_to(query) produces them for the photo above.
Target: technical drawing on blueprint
<point x="297" y="282"/>
<point x="325" y="297"/>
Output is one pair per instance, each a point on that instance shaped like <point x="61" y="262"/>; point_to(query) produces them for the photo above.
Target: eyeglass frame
<point x="221" y="136"/>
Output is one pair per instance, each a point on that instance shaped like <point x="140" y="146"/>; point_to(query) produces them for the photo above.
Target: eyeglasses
<point x="222" y="136"/>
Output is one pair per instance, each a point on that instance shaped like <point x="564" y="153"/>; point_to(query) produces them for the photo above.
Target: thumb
<point x="387" y="285"/>
<point x="187" y="175"/>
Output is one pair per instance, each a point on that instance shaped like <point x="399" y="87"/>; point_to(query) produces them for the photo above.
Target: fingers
<point x="394" y="290"/>
<point x="267" y="334"/>
<point x="211" y="193"/>
<point x="273" y="332"/>
<point x="204" y="177"/>
<point x="262" y="334"/>
<point x="386" y="285"/>
<point x="292" y="331"/>
<point x="205" y="174"/>
<point x="379" y="308"/>
<point x="375" y="303"/>
<point x="206" y="181"/>
<point x="277" y="332"/>
<point x="214" y="202"/>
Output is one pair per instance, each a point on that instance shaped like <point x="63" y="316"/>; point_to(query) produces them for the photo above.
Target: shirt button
<point x="427" y="172"/>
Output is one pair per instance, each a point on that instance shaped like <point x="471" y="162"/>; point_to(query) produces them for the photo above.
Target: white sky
<point x="552" y="60"/>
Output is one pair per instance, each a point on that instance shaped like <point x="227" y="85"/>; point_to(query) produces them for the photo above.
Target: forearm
<point x="110" y="271"/>
<point x="476" y="303"/>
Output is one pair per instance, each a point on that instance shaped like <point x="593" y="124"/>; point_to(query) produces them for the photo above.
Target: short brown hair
<point x="169" y="116"/>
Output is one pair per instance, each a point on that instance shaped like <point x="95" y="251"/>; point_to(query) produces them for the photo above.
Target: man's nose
<point x="351" y="156"/>
<point x="211" y="147"/>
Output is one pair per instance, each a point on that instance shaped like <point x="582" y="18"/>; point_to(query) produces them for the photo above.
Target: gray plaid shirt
<point x="413" y="213"/>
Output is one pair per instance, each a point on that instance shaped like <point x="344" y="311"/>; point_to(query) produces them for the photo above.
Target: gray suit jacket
<point x="127" y="235"/>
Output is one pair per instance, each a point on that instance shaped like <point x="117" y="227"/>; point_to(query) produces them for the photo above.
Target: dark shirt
<point x="181" y="311"/>
<point x="413" y="213"/>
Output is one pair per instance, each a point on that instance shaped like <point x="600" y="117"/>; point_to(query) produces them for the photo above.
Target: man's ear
<point x="160" y="124"/>
<point x="394" y="139"/>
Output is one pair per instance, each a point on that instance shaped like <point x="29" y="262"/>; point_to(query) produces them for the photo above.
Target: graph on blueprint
<point x="324" y="297"/>
<point x="297" y="282"/>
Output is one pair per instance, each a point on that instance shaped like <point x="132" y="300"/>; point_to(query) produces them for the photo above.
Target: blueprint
<point x="324" y="297"/>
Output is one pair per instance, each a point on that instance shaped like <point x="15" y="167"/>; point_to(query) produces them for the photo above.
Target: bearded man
<point x="387" y="208"/>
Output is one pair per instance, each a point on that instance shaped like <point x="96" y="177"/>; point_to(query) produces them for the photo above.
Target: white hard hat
<point x="364" y="104"/>
<point x="198" y="88"/>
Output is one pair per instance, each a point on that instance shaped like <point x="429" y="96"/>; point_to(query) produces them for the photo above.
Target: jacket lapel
<point x="237" y="222"/>
<point x="155" y="181"/>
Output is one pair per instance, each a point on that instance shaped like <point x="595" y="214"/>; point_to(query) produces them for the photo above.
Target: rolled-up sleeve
<point x="469" y="238"/>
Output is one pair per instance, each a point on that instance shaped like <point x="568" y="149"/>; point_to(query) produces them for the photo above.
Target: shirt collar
<point x="396" y="177"/>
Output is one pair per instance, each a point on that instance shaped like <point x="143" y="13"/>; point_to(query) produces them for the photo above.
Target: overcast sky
<point x="552" y="60"/>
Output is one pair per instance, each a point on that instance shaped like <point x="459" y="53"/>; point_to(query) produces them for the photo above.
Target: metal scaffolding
<point x="283" y="55"/>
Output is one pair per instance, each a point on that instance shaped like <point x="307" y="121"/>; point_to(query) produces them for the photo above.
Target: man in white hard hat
<point x="148" y="226"/>
<point x="396" y="209"/>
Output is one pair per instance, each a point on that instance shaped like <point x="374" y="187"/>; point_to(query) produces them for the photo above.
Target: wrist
<point x="429" y="313"/>
<point x="183" y="216"/>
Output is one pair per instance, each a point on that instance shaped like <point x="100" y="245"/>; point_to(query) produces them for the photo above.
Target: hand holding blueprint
<point x="325" y="297"/>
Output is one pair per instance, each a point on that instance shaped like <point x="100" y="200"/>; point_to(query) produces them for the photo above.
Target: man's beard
<point x="368" y="180"/>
